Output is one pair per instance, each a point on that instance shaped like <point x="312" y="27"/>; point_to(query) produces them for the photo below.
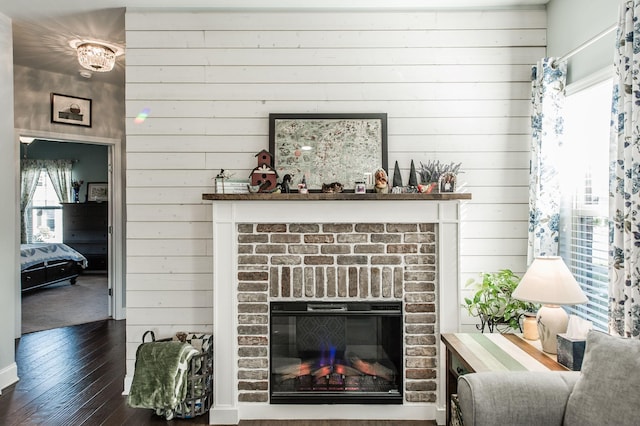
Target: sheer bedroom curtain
<point x="59" y="172"/>
<point x="30" y="172"/>
<point x="624" y="183"/>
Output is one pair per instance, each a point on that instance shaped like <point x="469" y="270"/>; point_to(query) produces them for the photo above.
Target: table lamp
<point x="548" y="281"/>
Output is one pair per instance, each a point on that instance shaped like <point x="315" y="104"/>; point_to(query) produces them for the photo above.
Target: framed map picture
<point x="328" y="148"/>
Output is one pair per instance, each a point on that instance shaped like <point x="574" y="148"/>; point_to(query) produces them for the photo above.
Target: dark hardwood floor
<point x="74" y="376"/>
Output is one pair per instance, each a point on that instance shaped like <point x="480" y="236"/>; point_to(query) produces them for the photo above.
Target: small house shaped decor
<point x="265" y="157"/>
<point x="264" y="176"/>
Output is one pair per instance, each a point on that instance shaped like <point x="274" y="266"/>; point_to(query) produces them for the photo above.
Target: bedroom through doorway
<point x="65" y="233"/>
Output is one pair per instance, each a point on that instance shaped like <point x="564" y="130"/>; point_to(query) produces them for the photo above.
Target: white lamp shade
<point x="548" y="280"/>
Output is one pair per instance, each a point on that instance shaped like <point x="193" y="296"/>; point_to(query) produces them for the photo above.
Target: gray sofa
<point x="605" y="392"/>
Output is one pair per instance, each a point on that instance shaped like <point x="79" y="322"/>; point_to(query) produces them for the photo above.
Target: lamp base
<point x="552" y="319"/>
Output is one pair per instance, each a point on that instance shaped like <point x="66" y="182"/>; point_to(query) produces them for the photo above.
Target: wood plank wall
<point x="455" y="86"/>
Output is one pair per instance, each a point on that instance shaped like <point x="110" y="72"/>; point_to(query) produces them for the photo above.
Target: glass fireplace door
<point x="325" y="352"/>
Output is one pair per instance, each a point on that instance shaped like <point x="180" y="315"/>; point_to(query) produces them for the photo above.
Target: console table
<point x="479" y="352"/>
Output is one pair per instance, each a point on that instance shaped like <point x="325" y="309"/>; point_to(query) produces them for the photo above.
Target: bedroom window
<point x="46" y="212"/>
<point x="584" y="212"/>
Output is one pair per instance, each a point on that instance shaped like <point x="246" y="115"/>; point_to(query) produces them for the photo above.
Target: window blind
<point x="584" y="209"/>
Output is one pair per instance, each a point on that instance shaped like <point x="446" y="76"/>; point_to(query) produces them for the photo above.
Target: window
<point x="46" y="212"/>
<point x="584" y="211"/>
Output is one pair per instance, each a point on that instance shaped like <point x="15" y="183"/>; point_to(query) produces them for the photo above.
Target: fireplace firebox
<point x="336" y="353"/>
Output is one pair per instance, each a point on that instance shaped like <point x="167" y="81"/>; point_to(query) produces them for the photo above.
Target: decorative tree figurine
<point x="413" y="178"/>
<point x="397" y="177"/>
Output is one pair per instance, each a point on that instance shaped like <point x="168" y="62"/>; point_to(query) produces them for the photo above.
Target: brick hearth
<point x="337" y="262"/>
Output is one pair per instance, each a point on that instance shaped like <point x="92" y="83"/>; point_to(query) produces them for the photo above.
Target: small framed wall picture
<point x="447" y="182"/>
<point x="70" y="110"/>
<point x="97" y="191"/>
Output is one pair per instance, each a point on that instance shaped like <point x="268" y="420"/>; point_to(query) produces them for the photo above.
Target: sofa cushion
<point x="515" y="398"/>
<point x="607" y="390"/>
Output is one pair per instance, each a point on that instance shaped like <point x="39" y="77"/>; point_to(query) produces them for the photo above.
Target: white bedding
<point x="33" y="254"/>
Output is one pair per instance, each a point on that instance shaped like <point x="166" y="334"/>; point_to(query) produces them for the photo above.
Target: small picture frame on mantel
<point x="447" y="182"/>
<point x="70" y="110"/>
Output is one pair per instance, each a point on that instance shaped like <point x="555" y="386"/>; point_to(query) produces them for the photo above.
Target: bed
<point x="42" y="264"/>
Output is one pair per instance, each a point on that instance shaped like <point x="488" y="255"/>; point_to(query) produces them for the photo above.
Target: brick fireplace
<point x="337" y="262"/>
<point x="331" y="251"/>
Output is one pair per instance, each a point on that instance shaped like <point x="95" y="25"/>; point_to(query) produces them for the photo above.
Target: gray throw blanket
<point x="159" y="380"/>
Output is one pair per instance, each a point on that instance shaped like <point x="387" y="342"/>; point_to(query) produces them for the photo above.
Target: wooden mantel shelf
<point x="343" y="196"/>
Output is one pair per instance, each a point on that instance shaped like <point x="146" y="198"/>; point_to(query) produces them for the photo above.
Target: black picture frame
<point x="97" y="191"/>
<point x="340" y="147"/>
<point x="71" y="110"/>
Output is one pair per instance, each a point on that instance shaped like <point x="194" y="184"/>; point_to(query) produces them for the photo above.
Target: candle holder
<point x="530" y="326"/>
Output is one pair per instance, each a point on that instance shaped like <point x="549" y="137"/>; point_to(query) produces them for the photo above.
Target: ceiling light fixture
<point x="96" y="55"/>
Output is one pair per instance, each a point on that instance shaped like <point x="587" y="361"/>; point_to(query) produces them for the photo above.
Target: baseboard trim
<point x="224" y="416"/>
<point x="8" y="376"/>
<point x="127" y="384"/>
<point x="261" y="411"/>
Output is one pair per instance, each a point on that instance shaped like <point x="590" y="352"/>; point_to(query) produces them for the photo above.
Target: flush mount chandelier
<point x="96" y="56"/>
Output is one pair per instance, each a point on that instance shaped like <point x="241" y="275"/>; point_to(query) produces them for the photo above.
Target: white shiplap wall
<point x="455" y="86"/>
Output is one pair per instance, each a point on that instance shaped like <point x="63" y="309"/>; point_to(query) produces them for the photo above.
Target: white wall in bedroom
<point x="455" y="86"/>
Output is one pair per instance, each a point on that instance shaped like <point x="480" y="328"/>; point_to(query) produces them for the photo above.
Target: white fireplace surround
<point x="228" y="213"/>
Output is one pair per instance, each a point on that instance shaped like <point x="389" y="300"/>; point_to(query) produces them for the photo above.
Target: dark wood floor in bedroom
<point x="74" y="376"/>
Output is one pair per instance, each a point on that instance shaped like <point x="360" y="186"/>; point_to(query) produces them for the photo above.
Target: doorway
<point x="97" y="291"/>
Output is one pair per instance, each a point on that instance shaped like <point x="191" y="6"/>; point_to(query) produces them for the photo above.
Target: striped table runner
<point x="504" y="352"/>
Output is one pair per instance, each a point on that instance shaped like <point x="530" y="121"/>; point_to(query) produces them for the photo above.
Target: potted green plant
<point x="492" y="302"/>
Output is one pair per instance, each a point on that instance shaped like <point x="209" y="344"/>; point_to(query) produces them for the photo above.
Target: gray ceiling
<point x="43" y="43"/>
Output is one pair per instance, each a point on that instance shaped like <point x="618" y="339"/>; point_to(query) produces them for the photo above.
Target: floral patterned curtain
<point x="60" y="174"/>
<point x="548" y="80"/>
<point x="624" y="185"/>
<point x="30" y="172"/>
